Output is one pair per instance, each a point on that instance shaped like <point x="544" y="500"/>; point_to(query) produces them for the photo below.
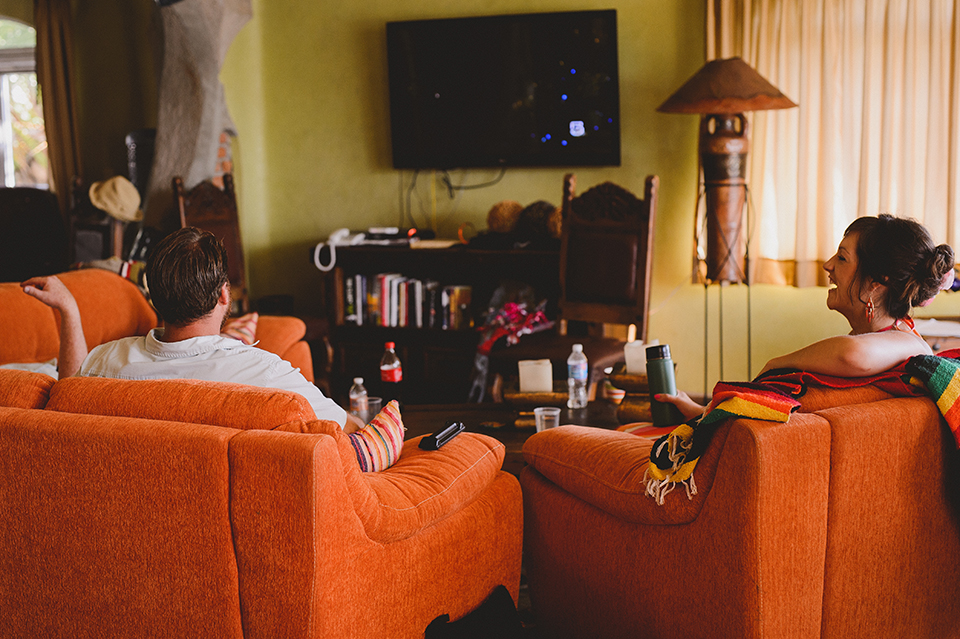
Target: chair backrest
<point x="212" y="209"/>
<point x="605" y="253"/>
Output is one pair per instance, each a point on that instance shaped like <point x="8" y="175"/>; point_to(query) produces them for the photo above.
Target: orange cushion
<point x="24" y="389"/>
<point x="183" y="400"/>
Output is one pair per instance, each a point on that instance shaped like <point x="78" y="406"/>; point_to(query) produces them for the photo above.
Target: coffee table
<point x="504" y="422"/>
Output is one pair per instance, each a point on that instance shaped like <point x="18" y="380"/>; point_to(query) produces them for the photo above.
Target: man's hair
<point x="185" y="273"/>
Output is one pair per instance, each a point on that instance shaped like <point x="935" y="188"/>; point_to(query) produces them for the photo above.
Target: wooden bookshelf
<point x="436" y="362"/>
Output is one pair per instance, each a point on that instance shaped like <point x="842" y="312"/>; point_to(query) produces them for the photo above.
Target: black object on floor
<point x="495" y="618"/>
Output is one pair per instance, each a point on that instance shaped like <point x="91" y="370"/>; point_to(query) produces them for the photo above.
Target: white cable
<point x="333" y="257"/>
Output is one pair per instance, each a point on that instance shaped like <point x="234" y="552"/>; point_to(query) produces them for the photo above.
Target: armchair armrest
<point x="606" y="468"/>
<point x="425" y="487"/>
<point x="421" y="488"/>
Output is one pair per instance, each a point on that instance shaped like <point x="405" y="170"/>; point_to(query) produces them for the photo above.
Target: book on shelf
<point x="456" y="307"/>
<point x="392" y="300"/>
<point x="431" y="303"/>
<point x="350" y="302"/>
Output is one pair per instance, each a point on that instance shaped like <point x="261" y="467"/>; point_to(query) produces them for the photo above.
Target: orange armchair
<point x="837" y="523"/>
<point x="112" y="307"/>
<point x="185" y="508"/>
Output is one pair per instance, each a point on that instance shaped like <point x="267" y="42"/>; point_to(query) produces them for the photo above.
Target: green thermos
<point x="660" y="379"/>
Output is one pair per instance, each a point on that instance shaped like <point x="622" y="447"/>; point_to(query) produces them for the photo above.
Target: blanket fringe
<point x="659" y="488"/>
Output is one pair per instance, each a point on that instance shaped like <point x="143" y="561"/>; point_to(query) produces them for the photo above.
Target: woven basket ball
<point x="503" y="217"/>
<point x="540" y="219"/>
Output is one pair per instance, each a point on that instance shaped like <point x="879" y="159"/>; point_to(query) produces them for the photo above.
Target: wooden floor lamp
<point x="721" y="92"/>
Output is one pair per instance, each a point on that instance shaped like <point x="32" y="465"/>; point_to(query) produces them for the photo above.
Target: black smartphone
<point x="441" y="437"/>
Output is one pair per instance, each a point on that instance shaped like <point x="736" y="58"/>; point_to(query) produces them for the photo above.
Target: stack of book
<point x="390" y="299"/>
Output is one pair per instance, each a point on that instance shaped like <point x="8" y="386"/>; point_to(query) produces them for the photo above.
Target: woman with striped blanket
<point x="884" y="267"/>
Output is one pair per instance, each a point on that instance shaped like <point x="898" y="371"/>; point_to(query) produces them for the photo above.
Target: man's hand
<point x="52" y="292"/>
<point x="353" y="424"/>
<point x="73" y="346"/>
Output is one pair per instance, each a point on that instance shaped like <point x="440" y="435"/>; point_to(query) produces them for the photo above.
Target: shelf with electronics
<point x="437" y="361"/>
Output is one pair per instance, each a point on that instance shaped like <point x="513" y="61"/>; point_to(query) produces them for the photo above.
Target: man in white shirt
<point x="189" y="287"/>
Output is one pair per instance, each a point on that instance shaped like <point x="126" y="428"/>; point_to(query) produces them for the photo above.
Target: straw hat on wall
<point x="118" y="198"/>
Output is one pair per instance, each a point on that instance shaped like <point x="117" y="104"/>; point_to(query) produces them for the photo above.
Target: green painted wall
<point x="306" y="86"/>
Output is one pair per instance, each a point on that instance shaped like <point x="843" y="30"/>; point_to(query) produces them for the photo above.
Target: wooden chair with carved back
<point x="605" y="253"/>
<point x="208" y="207"/>
<point x="605" y="266"/>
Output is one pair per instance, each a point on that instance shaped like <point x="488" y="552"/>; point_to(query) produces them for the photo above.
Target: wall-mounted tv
<point x="501" y="91"/>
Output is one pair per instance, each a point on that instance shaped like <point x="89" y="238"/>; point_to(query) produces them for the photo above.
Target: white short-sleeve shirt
<point x="214" y="358"/>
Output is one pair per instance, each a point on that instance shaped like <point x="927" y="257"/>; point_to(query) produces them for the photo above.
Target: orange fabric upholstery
<point x="283" y="335"/>
<point x="186" y="400"/>
<point x="112" y="307"/>
<point x="114" y="523"/>
<point x="114" y="526"/>
<point x="23" y="389"/>
<point x="834" y="524"/>
<point x="403" y="499"/>
<point x="332" y="580"/>
<point x="30" y="329"/>
<point x="893" y="543"/>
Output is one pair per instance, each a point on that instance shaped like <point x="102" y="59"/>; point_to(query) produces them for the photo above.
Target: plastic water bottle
<point x="660" y="378"/>
<point x="358" y="398"/>
<point x="391" y="373"/>
<point x="577" y="377"/>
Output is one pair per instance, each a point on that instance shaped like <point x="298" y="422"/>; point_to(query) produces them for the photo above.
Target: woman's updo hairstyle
<point x="899" y="253"/>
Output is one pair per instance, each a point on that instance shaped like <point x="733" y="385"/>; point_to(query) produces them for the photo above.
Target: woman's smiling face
<point x="844" y="295"/>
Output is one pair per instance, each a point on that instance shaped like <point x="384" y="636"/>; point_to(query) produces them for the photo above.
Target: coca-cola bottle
<point x="391" y="373"/>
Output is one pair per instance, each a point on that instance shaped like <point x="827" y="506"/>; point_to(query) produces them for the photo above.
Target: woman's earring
<point x="869" y="309"/>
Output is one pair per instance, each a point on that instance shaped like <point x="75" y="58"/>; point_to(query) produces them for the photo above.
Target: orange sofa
<point x="176" y="508"/>
<point x="112" y="307"/>
<point x="839" y="523"/>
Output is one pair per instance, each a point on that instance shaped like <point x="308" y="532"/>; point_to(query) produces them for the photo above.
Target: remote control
<point x="441" y="437"/>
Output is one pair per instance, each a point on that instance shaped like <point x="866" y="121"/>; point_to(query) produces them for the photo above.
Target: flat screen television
<point x="537" y="89"/>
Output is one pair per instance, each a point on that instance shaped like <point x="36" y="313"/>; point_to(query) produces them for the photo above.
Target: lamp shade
<point x="726" y="86"/>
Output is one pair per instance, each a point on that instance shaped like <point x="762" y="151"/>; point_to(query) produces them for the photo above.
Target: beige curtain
<point x="54" y="74"/>
<point x="877" y="131"/>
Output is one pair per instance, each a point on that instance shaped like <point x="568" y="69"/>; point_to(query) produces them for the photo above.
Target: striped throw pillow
<point x="378" y="444"/>
<point x="243" y="328"/>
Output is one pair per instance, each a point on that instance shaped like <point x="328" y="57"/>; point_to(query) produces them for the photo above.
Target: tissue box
<point x="536" y="376"/>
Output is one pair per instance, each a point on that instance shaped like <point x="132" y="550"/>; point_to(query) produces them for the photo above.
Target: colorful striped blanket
<point x="773" y="397"/>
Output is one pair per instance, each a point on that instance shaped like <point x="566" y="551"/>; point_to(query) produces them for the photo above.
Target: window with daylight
<point x="23" y="142"/>
<point x="877" y="131"/>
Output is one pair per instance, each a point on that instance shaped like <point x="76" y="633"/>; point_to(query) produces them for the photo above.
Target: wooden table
<point x="499" y="420"/>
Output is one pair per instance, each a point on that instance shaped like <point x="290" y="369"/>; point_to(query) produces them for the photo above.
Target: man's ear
<point x="224" y="298"/>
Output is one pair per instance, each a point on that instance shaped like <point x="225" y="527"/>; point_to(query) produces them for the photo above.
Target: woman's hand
<point x="687" y="407"/>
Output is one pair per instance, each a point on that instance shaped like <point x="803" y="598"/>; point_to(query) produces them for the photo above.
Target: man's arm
<point x="353" y="424"/>
<point x="73" y="345"/>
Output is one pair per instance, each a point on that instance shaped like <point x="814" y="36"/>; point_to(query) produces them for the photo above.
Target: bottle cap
<point x="661" y="351"/>
<point x="358" y="380"/>
<point x="578" y="348"/>
<point x="390" y="345"/>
